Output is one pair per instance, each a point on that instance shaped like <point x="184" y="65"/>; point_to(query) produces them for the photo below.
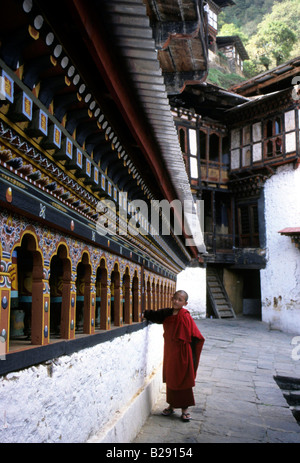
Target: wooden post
<point x="72" y="309"/>
<point x="5" y="289"/>
<point x="108" y="304"/>
<point x="93" y="306"/>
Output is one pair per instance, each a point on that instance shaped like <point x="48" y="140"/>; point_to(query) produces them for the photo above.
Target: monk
<point x="183" y="344"/>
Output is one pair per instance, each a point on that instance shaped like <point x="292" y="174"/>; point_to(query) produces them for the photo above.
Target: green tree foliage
<point x="230" y="30"/>
<point x="273" y="42"/>
<point x="246" y="14"/>
<point x="288" y="12"/>
<point x="272" y="30"/>
<point x="224" y="80"/>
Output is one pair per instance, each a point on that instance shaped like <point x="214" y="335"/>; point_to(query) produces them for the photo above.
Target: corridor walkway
<point x="237" y="397"/>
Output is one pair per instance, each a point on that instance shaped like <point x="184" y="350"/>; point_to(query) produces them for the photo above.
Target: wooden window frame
<point x="273" y="142"/>
<point x="250" y="239"/>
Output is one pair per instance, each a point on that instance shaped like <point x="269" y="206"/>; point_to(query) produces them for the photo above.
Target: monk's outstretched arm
<point x="157" y="316"/>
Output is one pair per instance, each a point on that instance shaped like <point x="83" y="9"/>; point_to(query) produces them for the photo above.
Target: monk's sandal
<point x="167" y="412"/>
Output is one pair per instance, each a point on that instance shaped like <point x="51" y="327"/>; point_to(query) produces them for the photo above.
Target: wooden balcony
<point x="214" y="172"/>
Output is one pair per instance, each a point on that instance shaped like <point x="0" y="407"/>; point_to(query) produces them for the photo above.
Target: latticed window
<point x="273" y="137"/>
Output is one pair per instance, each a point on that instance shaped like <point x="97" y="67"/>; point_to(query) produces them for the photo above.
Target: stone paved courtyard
<point x="237" y="397"/>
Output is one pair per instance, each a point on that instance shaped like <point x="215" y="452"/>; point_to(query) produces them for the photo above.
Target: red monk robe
<point x="183" y="344"/>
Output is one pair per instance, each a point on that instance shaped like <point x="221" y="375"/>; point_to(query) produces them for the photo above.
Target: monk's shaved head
<point x="183" y="293"/>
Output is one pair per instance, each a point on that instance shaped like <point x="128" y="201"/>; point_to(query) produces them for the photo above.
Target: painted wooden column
<point x="65" y="330"/>
<point x="46" y="306"/>
<point x="72" y="308"/>
<point x="160" y="296"/>
<point x="152" y="291"/>
<point x="121" y="318"/>
<point x="130" y="303"/>
<point x="7" y="274"/>
<point x="156" y="296"/>
<point x="149" y="295"/>
<point x="108" y="310"/>
<point x="92" y="305"/>
<point x="170" y="295"/>
<point x="165" y="295"/>
<point x="139" y="300"/>
<point x="98" y="303"/>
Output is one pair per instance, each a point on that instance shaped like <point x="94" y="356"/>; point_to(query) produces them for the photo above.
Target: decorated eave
<point x="273" y="80"/>
<point x="293" y="233"/>
<point x="207" y="100"/>
<point x="260" y="105"/>
<point x="118" y="36"/>
<point x="103" y="83"/>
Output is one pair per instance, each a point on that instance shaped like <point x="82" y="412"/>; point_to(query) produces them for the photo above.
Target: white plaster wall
<point x="75" y="397"/>
<point x="280" y="281"/>
<point x="193" y="281"/>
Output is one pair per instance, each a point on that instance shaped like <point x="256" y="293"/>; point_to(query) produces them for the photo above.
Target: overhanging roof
<point x="150" y="90"/>
<point x="290" y="231"/>
<point x="273" y="80"/>
<point x="118" y="37"/>
<point x="208" y="100"/>
<point x="233" y="39"/>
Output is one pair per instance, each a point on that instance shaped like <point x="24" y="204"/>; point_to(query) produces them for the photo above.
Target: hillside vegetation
<point x="270" y="31"/>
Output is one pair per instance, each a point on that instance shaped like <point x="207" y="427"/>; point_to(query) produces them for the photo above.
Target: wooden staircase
<point x="217" y="295"/>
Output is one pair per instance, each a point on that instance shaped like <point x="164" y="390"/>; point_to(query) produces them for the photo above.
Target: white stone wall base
<point x="106" y="391"/>
<point x="125" y="425"/>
